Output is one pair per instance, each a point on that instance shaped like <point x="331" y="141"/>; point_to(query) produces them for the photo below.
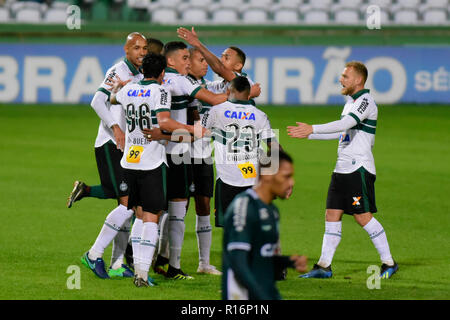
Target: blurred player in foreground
<point x="352" y="187"/>
<point x="251" y="257"/>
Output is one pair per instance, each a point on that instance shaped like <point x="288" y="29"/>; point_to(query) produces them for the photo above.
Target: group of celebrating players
<point x="159" y="116"/>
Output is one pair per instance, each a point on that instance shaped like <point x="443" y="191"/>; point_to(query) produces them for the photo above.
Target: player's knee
<point x="363" y="218"/>
<point x="333" y="215"/>
<point x="202" y="206"/>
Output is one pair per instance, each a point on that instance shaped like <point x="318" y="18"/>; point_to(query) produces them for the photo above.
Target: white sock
<point x="120" y="244"/>
<point x="177" y="211"/>
<point x="204" y="233"/>
<point x="148" y="246"/>
<point x="331" y="239"/>
<point x="163" y="245"/>
<point x="379" y="239"/>
<point x="114" y="221"/>
<point x="136" y="236"/>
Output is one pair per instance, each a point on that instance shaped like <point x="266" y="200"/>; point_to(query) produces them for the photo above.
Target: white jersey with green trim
<point x="355" y="144"/>
<point x="182" y="89"/>
<point x="237" y="130"/>
<point x="221" y="86"/>
<point x="141" y="103"/>
<point x="125" y="70"/>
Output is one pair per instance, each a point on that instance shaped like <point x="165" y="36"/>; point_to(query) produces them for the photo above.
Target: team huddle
<point x="164" y="129"/>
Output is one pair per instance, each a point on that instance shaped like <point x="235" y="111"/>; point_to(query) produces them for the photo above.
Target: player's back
<point x="141" y="102"/>
<point x="237" y="128"/>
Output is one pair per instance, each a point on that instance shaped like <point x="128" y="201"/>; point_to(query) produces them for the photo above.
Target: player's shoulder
<point x="123" y="70"/>
<point x="193" y="80"/>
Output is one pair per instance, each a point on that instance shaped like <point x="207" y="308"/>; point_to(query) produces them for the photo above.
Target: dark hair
<point x="153" y="65"/>
<point x="155" y="45"/>
<point x="172" y="46"/>
<point x="241" y="55"/>
<point x="240" y="84"/>
<point x="265" y="159"/>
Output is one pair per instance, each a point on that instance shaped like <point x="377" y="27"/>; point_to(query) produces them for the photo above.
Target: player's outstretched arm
<point x="301" y="131"/>
<point x="212" y="60"/>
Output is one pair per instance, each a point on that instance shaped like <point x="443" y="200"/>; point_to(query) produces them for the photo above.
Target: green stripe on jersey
<point x="364" y="128"/>
<point x="101" y="89"/>
<point x="354" y="117"/>
<point x="370" y="122"/>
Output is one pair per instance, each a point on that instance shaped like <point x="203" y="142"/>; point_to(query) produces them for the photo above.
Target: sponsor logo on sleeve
<point x="363" y="106"/>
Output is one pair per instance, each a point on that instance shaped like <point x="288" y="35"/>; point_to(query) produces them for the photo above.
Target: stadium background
<point x="49" y="72"/>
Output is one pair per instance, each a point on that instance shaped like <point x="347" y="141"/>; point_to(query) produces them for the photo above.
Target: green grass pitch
<point x="45" y="148"/>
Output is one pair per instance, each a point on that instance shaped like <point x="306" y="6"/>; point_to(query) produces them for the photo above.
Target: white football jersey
<point x="237" y="128"/>
<point x="126" y="71"/>
<point x="355" y="144"/>
<point x="182" y="89"/>
<point x="141" y="103"/>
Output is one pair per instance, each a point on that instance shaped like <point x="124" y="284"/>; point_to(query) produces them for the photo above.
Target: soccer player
<point x="202" y="168"/>
<point x="109" y="146"/>
<point x="352" y="187"/>
<point x="251" y="260"/>
<point x="182" y="90"/>
<point x="155" y="45"/>
<point x="237" y="129"/>
<point x="229" y="66"/>
<point x="146" y="104"/>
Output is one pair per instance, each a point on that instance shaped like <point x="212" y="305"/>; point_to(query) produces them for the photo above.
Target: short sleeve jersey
<point x="252" y="226"/>
<point x="182" y="89"/>
<point x="237" y="130"/>
<point x="141" y="102"/>
<point x="126" y="71"/>
<point x="355" y="144"/>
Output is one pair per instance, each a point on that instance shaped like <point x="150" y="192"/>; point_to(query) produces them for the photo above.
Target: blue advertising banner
<point x="38" y="73"/>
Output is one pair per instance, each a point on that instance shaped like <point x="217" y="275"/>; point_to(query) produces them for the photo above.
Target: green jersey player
<point x="352" y="187"/>
<point x="251" y="259"/>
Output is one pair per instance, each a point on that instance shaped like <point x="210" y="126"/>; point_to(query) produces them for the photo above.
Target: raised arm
<point x="213" y="61"/>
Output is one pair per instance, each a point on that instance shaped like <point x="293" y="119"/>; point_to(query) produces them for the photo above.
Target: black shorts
<point x="179" y="178"/>
<point x="223" y="197"/>
<point x="352" y="192"/>
<point x="112" y="175"/>
<point x="147" y="189"/>
<point x="203" y="178"/>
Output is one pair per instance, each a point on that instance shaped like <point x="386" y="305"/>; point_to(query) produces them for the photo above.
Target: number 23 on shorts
<point x="134" y="154"/>
<point x="248" y="170"/>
